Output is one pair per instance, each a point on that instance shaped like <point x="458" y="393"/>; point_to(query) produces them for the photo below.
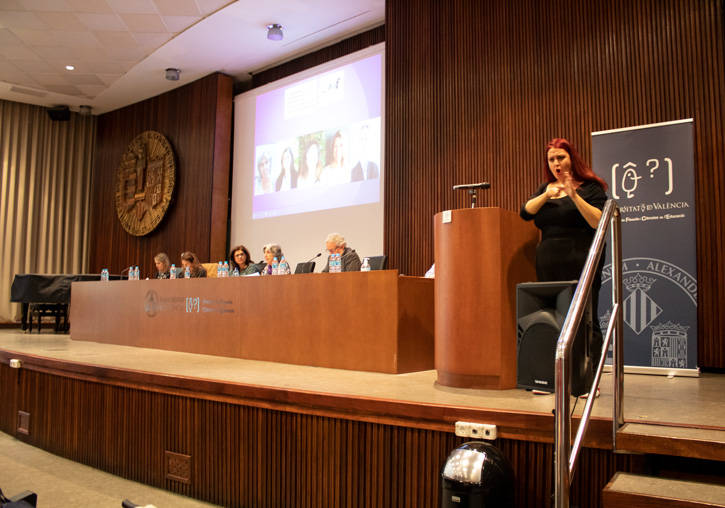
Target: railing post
<point x="563" y="470"/>
<point x="618" y="338"/>
<point x="562" y="439"/>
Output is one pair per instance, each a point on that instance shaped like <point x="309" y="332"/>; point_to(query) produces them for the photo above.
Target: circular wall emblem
<point x="145" y="182"/>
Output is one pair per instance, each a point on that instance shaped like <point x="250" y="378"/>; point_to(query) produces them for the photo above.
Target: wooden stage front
<point x="251" y="433"/>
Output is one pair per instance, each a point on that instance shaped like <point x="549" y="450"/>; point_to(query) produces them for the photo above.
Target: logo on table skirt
<point x="151" y="303"/>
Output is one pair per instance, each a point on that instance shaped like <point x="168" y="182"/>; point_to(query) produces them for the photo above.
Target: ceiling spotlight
<point x="84" y="110"/>
<point x="70" y="67"/>
<point x="274" y="32"/>
<point x="172" y="74"/>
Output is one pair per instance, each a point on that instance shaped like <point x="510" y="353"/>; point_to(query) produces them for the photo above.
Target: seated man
<point x="335" y="244"/>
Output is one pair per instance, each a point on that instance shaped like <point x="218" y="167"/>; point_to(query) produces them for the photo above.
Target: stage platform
<point x="672" y="416"/>
<point x="684" y="402"/>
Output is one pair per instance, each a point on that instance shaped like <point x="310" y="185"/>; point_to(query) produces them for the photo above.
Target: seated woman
<point x="271" y="251"/>
<point x="163" y="265"/>
<point x="240" y="259"/>
<point x="189" y="260"/>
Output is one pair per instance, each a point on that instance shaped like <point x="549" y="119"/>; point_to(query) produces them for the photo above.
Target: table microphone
<point x="481" y="185"/>
<point x="315" y="256"/>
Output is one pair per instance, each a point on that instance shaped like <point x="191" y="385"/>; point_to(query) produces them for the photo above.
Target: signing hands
<point x="563" y="186"/>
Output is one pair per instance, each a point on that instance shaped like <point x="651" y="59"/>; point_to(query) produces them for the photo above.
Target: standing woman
<point x="189" y="259"/>
<point x="567" y="208"/>
<point x="240" y="259"/>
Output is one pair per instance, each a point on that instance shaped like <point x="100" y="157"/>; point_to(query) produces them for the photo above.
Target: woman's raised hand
<point x="553" y="190"/>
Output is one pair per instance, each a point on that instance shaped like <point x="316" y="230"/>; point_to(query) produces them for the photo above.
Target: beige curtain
<point x="45" y="195"/>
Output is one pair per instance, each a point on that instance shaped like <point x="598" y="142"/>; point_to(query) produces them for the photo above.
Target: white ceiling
<point x="120" y="48"/>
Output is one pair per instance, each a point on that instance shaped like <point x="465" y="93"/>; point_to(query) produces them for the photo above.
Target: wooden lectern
<point x="480" y="256"/>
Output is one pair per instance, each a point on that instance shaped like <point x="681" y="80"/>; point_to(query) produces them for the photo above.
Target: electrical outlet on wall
<point x="474" y="430"/>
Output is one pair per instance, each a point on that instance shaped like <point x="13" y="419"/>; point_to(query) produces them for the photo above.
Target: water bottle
<point x="283" y="266"/>
<point x="365" y="265"/>
<point x="226" y="269"/>
<point x="187" y="273"/>
<point x="333" y="263"/>
<point x="275" y="266"/>
<point x="235" y="273"/>
<point x="172" y="271"/>
<point x="104" y="274"/>
<point x="338" y="263"/>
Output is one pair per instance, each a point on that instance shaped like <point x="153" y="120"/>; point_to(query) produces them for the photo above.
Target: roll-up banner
<point x="650" y="173"/>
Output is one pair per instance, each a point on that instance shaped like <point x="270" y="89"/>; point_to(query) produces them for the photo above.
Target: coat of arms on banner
<point x="653" y="288"/>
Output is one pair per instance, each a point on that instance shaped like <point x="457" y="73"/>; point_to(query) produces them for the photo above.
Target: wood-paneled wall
<point x="475" y="89"/>
<point x="196" y="119"/>
<point x="242" y="455"/>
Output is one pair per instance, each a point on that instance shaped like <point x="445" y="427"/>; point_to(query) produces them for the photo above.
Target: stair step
<point x="706" y="444"/>
<point x="627" y="490"/>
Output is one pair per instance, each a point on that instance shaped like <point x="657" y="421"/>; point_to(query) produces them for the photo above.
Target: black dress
<point x="565" y="240"/>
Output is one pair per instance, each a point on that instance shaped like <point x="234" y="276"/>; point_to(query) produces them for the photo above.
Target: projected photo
<point x="317" y="142"/>
<point x="276" y="167"/>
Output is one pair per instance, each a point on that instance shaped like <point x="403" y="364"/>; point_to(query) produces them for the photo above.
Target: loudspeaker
<point x="541" y="309"/>
<point x="59" y="113"/>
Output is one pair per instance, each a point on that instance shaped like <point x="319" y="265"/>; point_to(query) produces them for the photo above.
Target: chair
<point x="58" y="311"/>
<point x="307" y="267"/>
<point x="378" y="262"/>
<point x="211" y="270"/>
<point x="25" y="499"/>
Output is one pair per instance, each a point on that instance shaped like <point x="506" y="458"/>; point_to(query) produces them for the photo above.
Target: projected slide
<point x="317" y="142"/>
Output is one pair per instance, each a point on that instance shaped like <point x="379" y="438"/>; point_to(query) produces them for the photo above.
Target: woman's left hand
<point x="569" y="186"/>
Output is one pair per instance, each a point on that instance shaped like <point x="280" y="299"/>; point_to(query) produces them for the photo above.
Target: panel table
<point x="371" y="321"/>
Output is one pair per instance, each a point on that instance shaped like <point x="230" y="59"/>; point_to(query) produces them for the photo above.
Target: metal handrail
<point x="565" y="457"/>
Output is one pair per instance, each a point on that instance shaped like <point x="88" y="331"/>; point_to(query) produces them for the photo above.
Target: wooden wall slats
<point x="249" y="456"/>
<point x="474" y="89"/>
<point x="196" y="119"/>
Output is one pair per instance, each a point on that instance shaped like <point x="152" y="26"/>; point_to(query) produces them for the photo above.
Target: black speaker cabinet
<point x="541" y="309"/>
<point x="59" y="113"/>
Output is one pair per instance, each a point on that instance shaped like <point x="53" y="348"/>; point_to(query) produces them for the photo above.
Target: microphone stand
<point x="472" y="188"/>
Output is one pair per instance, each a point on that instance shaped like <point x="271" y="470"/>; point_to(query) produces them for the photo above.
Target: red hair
<point x="580" y="170"/>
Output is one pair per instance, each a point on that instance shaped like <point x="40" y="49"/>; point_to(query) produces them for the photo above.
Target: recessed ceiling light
<point x="70" y="67"/>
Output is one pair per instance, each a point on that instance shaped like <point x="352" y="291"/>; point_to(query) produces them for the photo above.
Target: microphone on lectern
<point x="470" y="186"/>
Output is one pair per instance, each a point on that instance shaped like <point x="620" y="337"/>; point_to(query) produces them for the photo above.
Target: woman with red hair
<point x="567" y="208"/>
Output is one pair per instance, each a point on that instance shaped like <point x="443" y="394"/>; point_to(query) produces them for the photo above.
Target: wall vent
<point x="24" y="423"/>
<point x="177" y="467"/>
<point x="27" y="91"/>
